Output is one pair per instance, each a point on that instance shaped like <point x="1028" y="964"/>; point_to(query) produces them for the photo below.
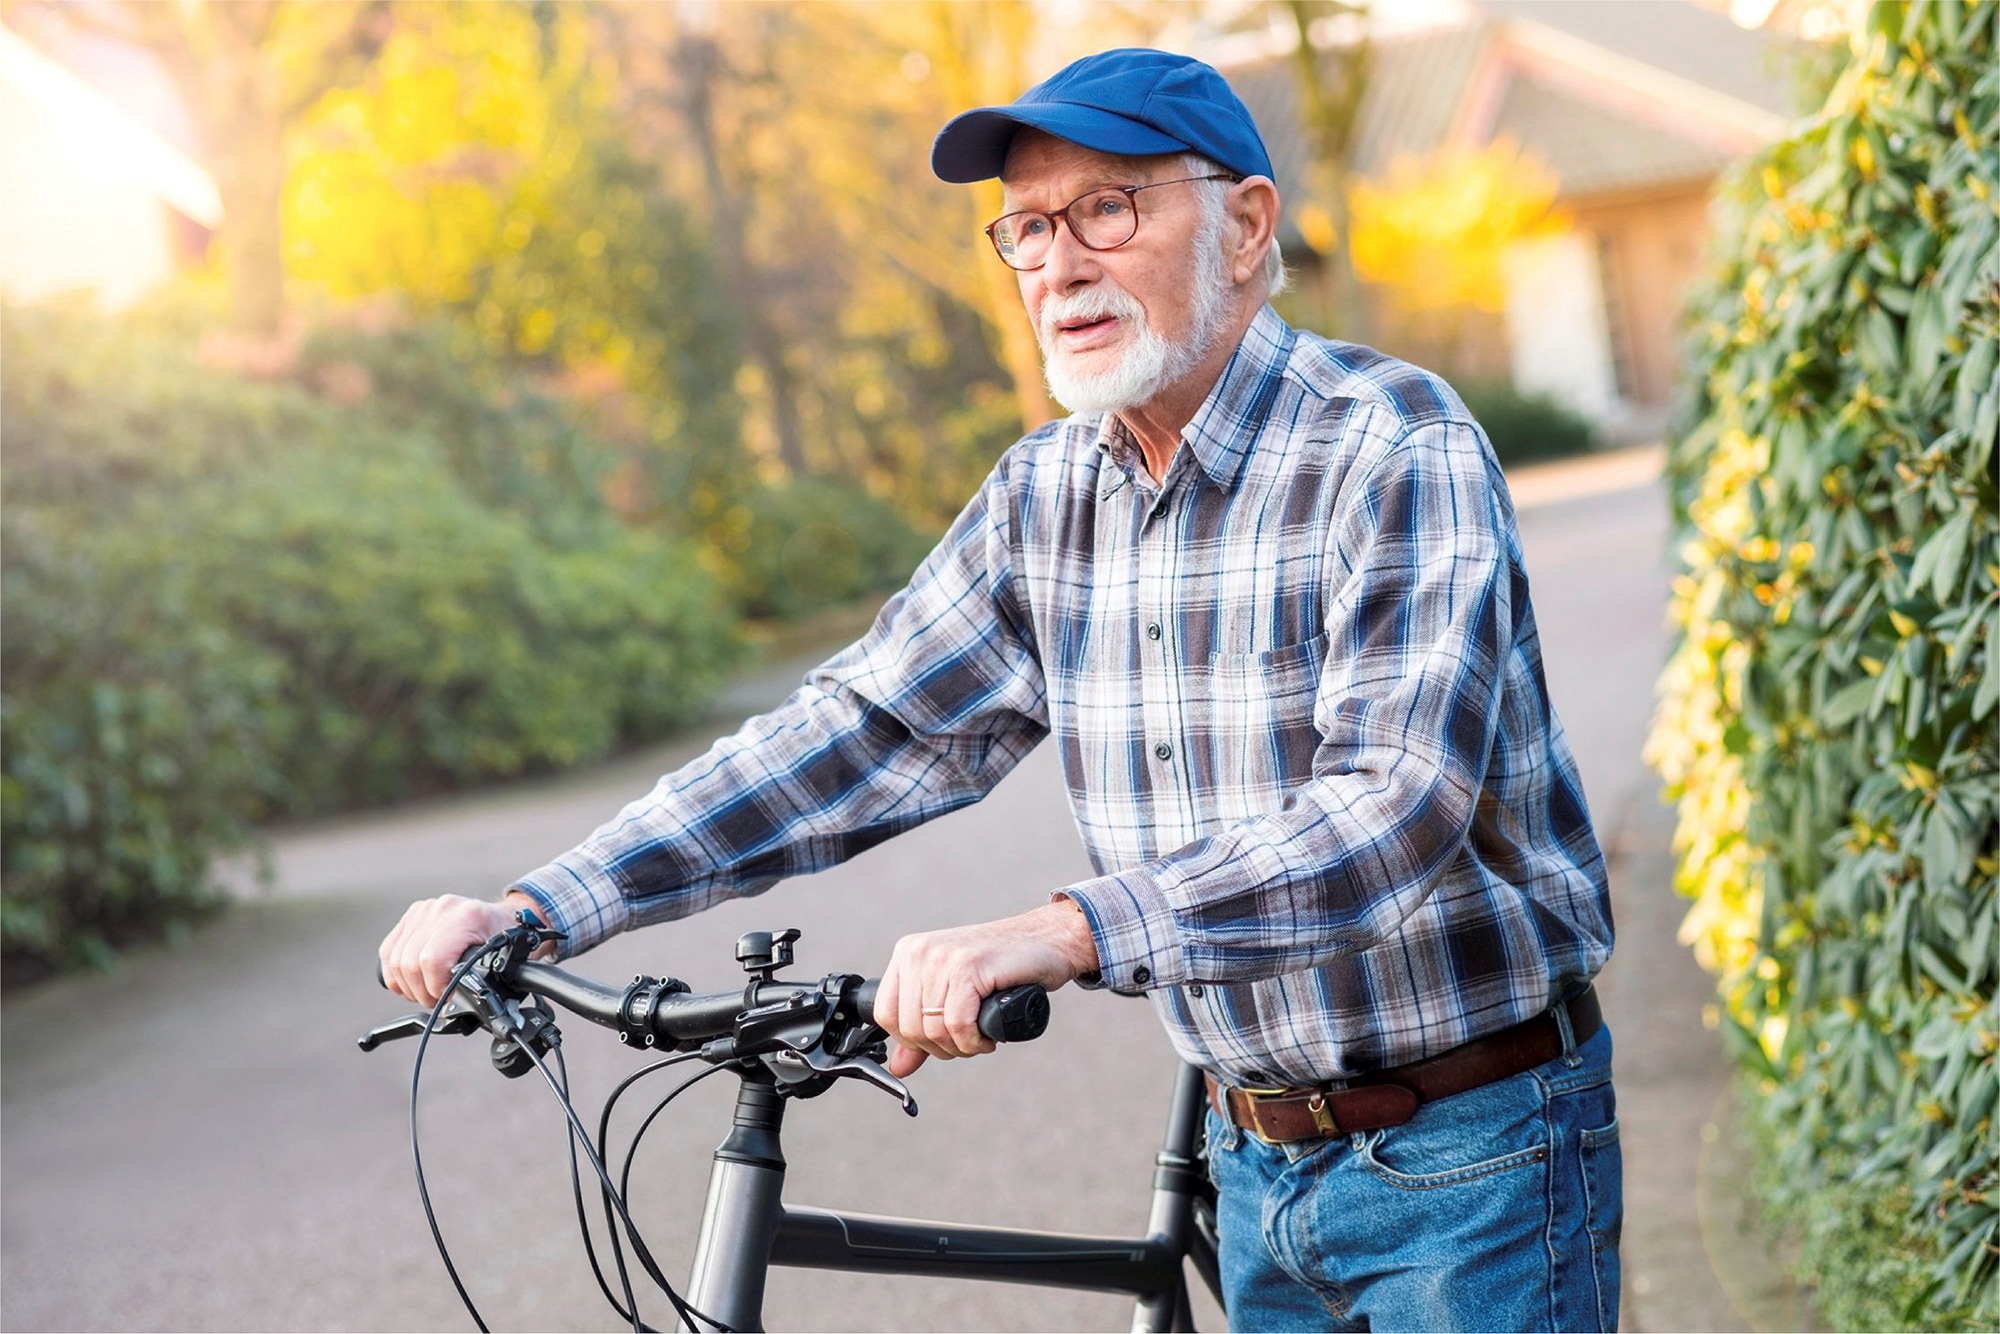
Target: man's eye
<point x="1109" y="205"/>
<point x="1029" y="227"/>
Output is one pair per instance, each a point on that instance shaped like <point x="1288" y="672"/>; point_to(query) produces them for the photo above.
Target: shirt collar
<point x="1224" y="429"/>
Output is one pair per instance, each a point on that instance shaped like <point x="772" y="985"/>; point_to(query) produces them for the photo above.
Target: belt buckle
<point x="1252" y="1097"/>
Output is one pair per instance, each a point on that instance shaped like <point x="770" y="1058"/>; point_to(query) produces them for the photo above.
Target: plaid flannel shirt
<point x="1299" y="699"/>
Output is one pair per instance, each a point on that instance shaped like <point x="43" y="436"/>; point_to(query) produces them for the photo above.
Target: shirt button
<point x="1194" y="990"/>
<point x="1163" y="751"/>
<point x="1153" y="630"/>
<point x="1141" y="975"/>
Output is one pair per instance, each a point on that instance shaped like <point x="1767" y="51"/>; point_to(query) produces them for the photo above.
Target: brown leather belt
<point x="1390" y="1097"/>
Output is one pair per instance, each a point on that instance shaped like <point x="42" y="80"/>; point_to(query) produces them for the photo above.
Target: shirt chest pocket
<point x="1257" y="722"/>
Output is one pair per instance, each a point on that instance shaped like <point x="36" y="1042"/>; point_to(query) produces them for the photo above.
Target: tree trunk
<point x="1330" y="108"/>
<point x="985" y="66"/>
<point x="250" y="177"/>
<point x="215" y="56"/>
<point x="697" y="59"/>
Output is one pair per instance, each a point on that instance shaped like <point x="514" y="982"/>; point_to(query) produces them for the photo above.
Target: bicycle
<point x="786" y="1041"/>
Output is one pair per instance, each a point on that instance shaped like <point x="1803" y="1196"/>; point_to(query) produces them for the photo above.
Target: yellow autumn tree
<point x="1432" y="233"/>
<point x="481" y="172"/>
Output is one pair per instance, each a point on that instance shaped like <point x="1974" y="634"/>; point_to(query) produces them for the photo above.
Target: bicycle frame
<point x="746" y="1228"/>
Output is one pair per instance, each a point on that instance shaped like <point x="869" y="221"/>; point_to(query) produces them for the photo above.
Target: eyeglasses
<point x="1101" y="220"/>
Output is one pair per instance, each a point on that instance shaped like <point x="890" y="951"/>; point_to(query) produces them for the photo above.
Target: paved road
<point x="194" y="1143"/>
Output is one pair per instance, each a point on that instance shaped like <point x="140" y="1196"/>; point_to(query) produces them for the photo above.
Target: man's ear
<point x="1253" y="217"/>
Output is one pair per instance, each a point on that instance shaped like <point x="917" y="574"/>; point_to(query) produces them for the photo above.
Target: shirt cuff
<point x="1137" y="946"/>
<point x="580" y="897"/>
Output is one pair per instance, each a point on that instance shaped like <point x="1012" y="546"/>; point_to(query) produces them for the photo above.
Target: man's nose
<point x="1070" y="263"/>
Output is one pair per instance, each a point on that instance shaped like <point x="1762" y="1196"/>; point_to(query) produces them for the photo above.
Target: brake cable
<point x="688" y="1314"/>
<point x="417" y="1153"/>
<point x="576" y="1187"/>
<point x="631" y="1151"/>
<point x="576" y="1191"/>
<point x="692" y="1318"/>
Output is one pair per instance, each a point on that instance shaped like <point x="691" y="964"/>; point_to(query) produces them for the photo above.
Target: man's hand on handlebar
<point x="930" y="993"/>
<point x="419" y="954"/>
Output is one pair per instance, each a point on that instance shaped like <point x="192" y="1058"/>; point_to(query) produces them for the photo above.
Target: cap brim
<point x="973" y="146"/>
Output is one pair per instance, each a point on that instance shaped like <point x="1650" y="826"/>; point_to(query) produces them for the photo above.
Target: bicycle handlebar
<point x="1018" y="1014"/>
<point x="762" y="1016"/>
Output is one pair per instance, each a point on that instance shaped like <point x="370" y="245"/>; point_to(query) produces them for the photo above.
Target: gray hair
<point x="1212" y="194"/>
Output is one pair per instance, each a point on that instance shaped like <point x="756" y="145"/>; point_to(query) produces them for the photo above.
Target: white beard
<point x="1151" y="364"/>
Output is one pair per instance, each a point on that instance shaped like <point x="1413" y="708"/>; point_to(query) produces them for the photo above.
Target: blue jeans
<point x="1496" y="1209"/>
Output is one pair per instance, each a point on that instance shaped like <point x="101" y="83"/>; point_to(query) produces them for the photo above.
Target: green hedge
<point x="1831" y="721"/>
<point x="1525" y="428"/>
<point x="228" y="600"/>
<point x="813" y="542"/>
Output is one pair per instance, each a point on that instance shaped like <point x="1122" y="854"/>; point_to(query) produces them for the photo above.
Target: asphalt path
<point x="193" y="1142"/>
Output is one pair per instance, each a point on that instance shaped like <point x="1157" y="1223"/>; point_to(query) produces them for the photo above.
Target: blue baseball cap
<point x="1131" y="101"/>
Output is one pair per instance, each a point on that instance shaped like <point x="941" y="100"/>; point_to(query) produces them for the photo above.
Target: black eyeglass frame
<point x="992" y="228"/>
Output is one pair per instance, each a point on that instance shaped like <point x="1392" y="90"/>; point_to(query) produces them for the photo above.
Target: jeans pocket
<point x="1478" y="1133"/>
<point x="1604" y="1214"/>
<point x="1371" y="1158"/>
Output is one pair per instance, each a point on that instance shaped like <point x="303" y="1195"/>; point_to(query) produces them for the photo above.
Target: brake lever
<point x="457" y="1023"/>
<point x="865" y="1068"/>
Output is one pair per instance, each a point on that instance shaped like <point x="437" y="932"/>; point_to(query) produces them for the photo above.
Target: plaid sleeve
<point x="926" y="713"/>
<point x="1420" y="622"/>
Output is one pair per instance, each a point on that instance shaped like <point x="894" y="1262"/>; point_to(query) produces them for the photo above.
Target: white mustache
<point x="1093" y="303"/>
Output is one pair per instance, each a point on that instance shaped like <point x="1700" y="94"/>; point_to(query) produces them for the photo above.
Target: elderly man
<point x="1267" y="592"/>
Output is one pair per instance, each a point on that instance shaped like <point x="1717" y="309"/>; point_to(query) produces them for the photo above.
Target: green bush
<point x="1525" y="427"/>
<point x="813" y="542"/>
<point x="227" y="600"/>
<point x="1872" y="1271"/>
<point x="1829" y="722"/>
<point x="521" y="452"/>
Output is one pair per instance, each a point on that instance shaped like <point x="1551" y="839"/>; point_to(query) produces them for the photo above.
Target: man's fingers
<point x="397" y="951"/>
<point x="385" y="956"/>
<point x="419" y="953"/>
<point x="888" y="996"/>
<point x="904" y="1061"/>
<point x="961" y="1022"/>
<point x="436" y="962"/>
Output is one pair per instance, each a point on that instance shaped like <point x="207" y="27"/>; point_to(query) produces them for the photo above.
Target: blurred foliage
<point x="815" y="541"/>
<point x="1434" y="230"/>
<point x="1525" y="427"/>
<point x="714" y="225"/>
<point x="1430" y="238"/>
<point x="228" y="600"/>
<point x="479" y="170"/>
<point x="1840" y="1228"/>
<point x="881" y="342"/>
<point x="1831" y="718"/>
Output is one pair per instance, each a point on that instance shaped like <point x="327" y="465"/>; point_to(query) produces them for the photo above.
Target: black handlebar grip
<point x="1018" y="1014"/>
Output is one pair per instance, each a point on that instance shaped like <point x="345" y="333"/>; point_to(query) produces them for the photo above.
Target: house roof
<point x="1596" y="148"/>
<point x="109" y="135"/>
<point x="1688" y="41"/>
<point x="1610" y="96"/>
